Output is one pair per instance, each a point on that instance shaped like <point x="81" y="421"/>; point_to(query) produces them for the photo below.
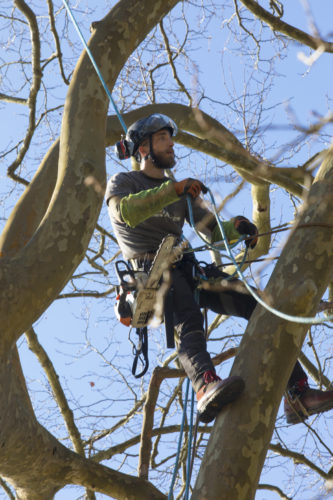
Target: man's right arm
<point x="135" y="208"/>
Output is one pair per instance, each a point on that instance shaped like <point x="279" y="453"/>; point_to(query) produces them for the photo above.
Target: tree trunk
<point x="38" y="260"/>
<point x="238" y="444"/>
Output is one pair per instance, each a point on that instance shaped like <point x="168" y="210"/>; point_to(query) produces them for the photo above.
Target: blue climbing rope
<point x="71" y="15"/>
<point x="189" y="450"/>
<point x="180" y="437"/>
<point x="219" y="245"/>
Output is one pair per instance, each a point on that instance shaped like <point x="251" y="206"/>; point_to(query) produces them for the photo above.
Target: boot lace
<point x="210" y="376"/>
<point x="298" y="388"/>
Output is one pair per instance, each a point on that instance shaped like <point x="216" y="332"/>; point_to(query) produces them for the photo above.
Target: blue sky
<point x="299" y="92"/>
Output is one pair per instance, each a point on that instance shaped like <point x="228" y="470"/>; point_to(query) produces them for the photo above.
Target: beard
<point x="164" y="161"/>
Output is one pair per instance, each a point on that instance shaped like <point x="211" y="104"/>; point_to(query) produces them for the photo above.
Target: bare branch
<point x="298" y="458"/>
<point x="276" y="24"/>
<point x="96" y="295"/>
<point x="158" y="431"/>
<point x="271" y="487"/>
<point x="34" y="88"/>
<point x="12" y="99"/>
<point x="6" y="488"/>
<point x="172" y="64"/>
<point x="57" y="41"/>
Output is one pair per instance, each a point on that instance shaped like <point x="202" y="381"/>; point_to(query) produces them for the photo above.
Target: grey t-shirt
<point x="146" y="237"/>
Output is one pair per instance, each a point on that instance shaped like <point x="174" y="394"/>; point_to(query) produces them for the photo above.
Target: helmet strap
<point x="151" y="155"/>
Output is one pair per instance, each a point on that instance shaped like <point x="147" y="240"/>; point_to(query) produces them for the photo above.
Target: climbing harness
<point x="124" y="307"/>
<point x="138" y="293"/>
<point x="138" y="309"/>
<point x="140" y="351"/>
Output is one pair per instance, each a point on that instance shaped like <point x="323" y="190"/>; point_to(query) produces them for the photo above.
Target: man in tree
<point x="144" y="207"/>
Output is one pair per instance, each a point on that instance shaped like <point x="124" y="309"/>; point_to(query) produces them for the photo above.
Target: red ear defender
<point x="122" y="149"/>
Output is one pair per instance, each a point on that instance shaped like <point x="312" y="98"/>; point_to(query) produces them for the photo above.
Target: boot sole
<point x="299" y="417"/>
<point x="219" y="399"/>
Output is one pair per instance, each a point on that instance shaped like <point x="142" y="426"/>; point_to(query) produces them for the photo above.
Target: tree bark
<point x="238" y="445"/>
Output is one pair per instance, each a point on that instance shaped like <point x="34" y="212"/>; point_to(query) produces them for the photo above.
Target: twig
<point x="34" y="88"/>
<point x="16" y="100"/>
<point x="86" y="294"/>
<point x="6" y="488"/>
<point x="277" y="490"/>
<point x="159" y="431"/>
<point x="56" y="40"/>
<point x="276" y="24"/>
<point x="172" y="64"/>
<point x="298" y="458"/>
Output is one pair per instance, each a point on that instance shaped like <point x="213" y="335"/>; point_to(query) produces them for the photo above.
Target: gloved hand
<point x="190" y="186"/>
<point x="244" y="226"/>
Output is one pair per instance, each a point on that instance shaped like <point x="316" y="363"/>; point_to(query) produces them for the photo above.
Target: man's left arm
<point x="234" y="228"/>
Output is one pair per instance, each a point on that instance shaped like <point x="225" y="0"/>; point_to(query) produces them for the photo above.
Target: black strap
<point x="141" y="349"/>
<point x="168" y="320"/>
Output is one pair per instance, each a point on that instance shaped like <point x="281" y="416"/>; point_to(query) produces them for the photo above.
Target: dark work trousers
<point x="189" y="322"/>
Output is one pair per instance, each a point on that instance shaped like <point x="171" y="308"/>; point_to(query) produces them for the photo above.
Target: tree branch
<point x="34" y="88"/>
<point x="57" y="41"/>
<point x="159" y="431"/>
<point x="271" y="487"/>
<point x="6" y="488"/>
<point x="67" y="226"/>
<point x="276" y="24"/>
<point x="172" y="64"/>
<point x="57" y="390"/>
<point x="298" y="458"/>
<point x="12" y="99"/>
<point x="295" y="287"/>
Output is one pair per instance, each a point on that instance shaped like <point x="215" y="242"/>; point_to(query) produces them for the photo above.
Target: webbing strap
<point x="141" y="352"/>
<point x="168" y="320"/>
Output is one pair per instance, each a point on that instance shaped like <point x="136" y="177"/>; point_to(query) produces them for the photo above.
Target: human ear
<point x="143" y="150"/>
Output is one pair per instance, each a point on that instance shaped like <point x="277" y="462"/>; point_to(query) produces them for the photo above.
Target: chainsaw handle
<point x="130" y="282"/>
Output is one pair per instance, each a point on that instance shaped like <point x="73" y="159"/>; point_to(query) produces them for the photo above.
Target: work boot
<point x="301" y="401"/>
<point x="216" y="393"/>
